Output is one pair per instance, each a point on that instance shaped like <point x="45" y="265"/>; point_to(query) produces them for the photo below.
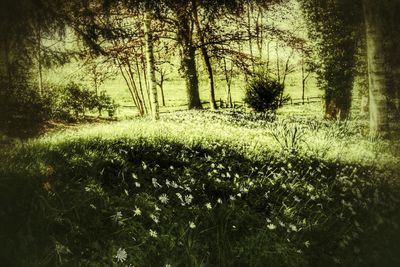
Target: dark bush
<point x="22" y="108"/>
<point x="264" y="93"/>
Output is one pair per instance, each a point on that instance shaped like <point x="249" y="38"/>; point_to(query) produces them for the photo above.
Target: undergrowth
<point x="147" y="197"/>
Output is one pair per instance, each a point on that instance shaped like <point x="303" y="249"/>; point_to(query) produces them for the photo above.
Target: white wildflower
<point x="137" y="212"/>
<point x="118" y="216"/>
<point x="121" y="255"/>
<point x="271" y="226"/>
<point x="293" y="227"/>
<point x="154" y="218"/>
<point x="208" y="206"/>
<point x="163" y="198"/>
<point x="137" y="184"/>
<point x="93" y="206"/>
<point x="153" y="233"/>
<point x="155" y="183"/>
<point x="219" y="200"/>
<point x="188" y="199"/>
<point x="232" y="198"/>
<point x="192" y="225"/>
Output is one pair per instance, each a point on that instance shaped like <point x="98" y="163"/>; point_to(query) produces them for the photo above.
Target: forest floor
<point x="202" y="188"/>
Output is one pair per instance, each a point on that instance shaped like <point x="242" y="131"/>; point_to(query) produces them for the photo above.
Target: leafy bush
<point x="74" y="102"/>
<point x="22" y="108"/>
<point x="264" y="93"/>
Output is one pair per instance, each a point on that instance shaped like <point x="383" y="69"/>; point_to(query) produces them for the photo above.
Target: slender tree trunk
<point x="140" y="82"/>
<point x="249" y="13"/>
<point x="228" y="78"/>
<point x="40" y="71"/>
<point x="151" y="66"/>
<point x="188" y="59"/>
<point x="378" y="108"/>
<point x="278" y="71"/>
<point x="207" y="61"/>
<point x="161" y="85"/>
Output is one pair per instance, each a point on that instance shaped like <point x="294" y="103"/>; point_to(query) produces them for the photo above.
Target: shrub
<point x="76" y="102"/>
<point x="104" y="102"/>
<point x="22" y="108"/>
<point x="264" y="93"/>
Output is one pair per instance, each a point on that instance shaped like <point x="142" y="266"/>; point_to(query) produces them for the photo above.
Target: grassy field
<point x="202" y="188"/>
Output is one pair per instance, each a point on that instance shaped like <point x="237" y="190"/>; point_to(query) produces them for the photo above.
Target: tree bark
<point x="378" y="104"/>
<point x="206" y="58"/>
<point x="188" y="58"/>
<point x="151" y="66"/>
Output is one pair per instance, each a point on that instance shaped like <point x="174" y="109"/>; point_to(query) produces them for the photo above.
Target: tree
<point x="151" y="68"/>
<point x="334" y="25"/>
<point x="382" y="54"/>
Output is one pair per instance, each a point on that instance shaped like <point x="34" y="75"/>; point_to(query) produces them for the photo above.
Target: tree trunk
<point x="207" y="61"/>
<point x="40" y="70"/>
<point x="228" y="78"/>
<point x="378" y="109"/>
<point x="151" y="66"/>
<point x="249" y="14"/>
<point x="188" y="58"/>
<point x="161" y="84"/>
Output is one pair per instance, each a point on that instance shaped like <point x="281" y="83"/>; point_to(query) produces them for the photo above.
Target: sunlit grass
<point x="345" y="142"/>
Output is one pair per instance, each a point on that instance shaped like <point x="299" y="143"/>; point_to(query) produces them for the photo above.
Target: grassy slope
<point x="272" y="202"/>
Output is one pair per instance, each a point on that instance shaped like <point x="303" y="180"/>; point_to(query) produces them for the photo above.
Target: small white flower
<point x="167" y="265"/>
<point x="179" y="196"/>
<point x="154" y="218"/>
<point x="232" y="198"/>
<point x="296" y="199"/>
<point x="239" y="195"/>
<point x="192" y="225"/>
<point x="155" y="183"/>
<point x="293" y="227"/>
<point x="118" y="216"/>
<point x="174" y="185"/>
<point x="153" y="233"/>
<point x="126" y="192"/>
<point x="156" y="208"/>
<point x="219" y="200"/>
<point x="281" y="223"/>
<point x="137" y="184"/>
<point x="163" y="198"/>
<point x="208" y="206"/>
<point x="271" y="226"/>
<point x="307" y="243"/>
<point x="121" y="255"/>
<point x="188" y="199"/>
<point x="93" y="206"/>
<point x="167" y="182"/>
<point x="137" y="212"/>
<point x="268" y="220"/>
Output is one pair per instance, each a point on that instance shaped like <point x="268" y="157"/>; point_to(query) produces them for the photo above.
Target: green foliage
<point x="264" y="93"/>
<point x="335" y="27"/>
<point x="21" y="107"/>
<point x="81" y="200"/>
<point x="74" y="102"/>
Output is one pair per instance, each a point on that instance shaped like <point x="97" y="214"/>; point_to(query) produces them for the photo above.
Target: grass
<point x="202" y="188"/>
